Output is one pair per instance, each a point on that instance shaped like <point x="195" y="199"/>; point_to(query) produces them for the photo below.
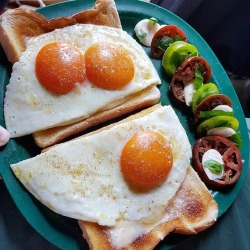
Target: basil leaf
<point x="177" y="38"/>
<point x="165" y="41"/>
<point x="236" y="139"/>
<point x="191" y="54"/>
<point x="185" y="54"/>
<point x="152" y="21"/>
<point x="198" y="77"/>
<point x="214" y="166"/>
<point x="142" y="34"/>
<point x="211" y="113"/>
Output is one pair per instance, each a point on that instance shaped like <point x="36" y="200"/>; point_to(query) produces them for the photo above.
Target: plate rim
<point x="120" y="3"/>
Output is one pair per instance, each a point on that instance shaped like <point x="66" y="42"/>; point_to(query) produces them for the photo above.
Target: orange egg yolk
<point x="59" y="67"/>
<point x="109" y="66"/>
<point x="146" y="159"/>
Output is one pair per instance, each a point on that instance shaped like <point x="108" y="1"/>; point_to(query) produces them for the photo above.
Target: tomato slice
<point x="210" y="103"/>
<point x="217" y="121"/>
<point x="231" y="157"/>
<point x="203" y="92"/>
<point x="175" y="54"/>
<point x="186" y="73"/>
<point x="164" y="37"/>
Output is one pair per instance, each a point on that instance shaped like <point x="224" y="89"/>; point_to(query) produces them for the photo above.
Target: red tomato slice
<point x="169" y="31"/>
<point x="186" y="73"/>
<point x="230" y="155"/>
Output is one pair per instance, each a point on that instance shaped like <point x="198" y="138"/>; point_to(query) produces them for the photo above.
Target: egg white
<point x="29" y="107"/>
<point x="82" y="179"/>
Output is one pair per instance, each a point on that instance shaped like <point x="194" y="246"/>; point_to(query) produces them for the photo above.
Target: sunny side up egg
<point x="72" y="73"/>
<point x="84" y="178"/>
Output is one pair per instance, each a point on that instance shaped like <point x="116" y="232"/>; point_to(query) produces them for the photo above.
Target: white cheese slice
<point x="212" y="154"/>
<point x="225" y="108"/>
<point x="223" y="131"/>
<point x="189" y="90"/>
<point x="147" y="28"/>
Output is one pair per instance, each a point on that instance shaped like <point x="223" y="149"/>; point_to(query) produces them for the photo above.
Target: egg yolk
<point x="59" y="67"/>
<point x="109" y="66"/>
<point x="146" y="159"/>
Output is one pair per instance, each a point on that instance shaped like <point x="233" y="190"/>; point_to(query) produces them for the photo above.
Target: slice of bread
<point x="18" y="24"/>
<point x="143" y="99"/>
<point x="192" y="210"/>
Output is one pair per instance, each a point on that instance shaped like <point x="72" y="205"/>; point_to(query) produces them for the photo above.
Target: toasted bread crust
<point x="16" y="25"/>
<point x="51" y="136"/>
<point x="103" y="13"/>
<point x="192" y="210"/>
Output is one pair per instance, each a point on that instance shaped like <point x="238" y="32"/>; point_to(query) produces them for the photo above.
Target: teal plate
<point x="64" y="232"/>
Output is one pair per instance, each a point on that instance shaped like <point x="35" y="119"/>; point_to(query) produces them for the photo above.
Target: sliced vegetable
<point x="203" y="92"/>
<point x="194" y="69"/>
<point x="208" y="114"/>
<point x="217" y="121"/>
<point x="164" y="37"/>
<point x="209" y="103"/>
<point x="230" y="155"/>
<point x="175" y="54"/>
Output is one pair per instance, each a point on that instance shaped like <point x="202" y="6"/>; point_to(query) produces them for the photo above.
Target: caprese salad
<point x="216" y="152"/>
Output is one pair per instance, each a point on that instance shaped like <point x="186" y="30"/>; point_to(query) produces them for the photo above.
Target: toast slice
<point x="18" y="24"/>
<point x="192" y="210"/>
<point x="48" y="137"/>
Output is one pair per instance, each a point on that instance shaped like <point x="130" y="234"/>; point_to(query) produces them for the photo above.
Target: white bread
<point x="18" y="24"/>
<point x="143" y="99"/>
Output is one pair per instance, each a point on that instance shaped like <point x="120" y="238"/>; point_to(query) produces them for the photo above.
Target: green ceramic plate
<point x="64" y="232"/>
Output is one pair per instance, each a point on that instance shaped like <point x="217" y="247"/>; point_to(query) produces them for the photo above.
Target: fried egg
<point x="83" y="178"/>
<point x="72" y="73"/>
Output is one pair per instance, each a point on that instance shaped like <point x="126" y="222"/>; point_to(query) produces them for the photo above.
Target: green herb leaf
<point x="165" y="41"/>
<point x="191" y="54"/>
<point x="142" y="34"/>
<point x="152" y="21"/>
<point x="236" y="139"/>
<point x="198" y="77"/>
<point x="214" y="166"/>
<point x="208" y="114"/>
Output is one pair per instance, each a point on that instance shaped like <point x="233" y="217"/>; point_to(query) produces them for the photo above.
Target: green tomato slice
<point x="208" y="114"/>
<point x="217" y="121"/>
<point x="175" y="54"/>
<point x="203" y="92"/>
